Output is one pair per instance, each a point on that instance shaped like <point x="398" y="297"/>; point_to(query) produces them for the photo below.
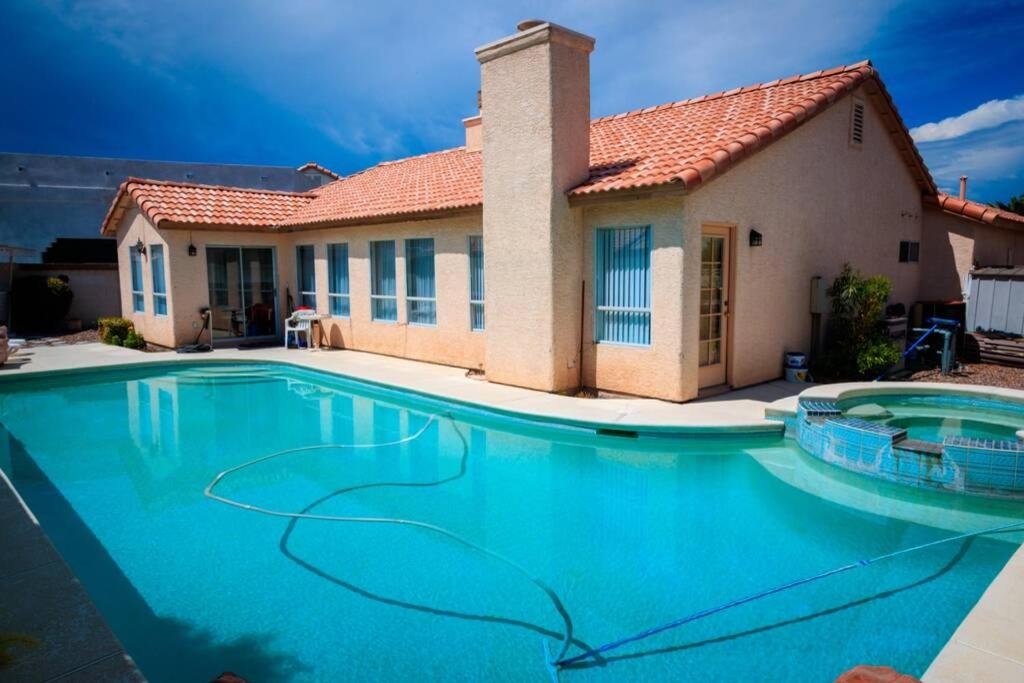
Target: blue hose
<point x="615" y="644"/>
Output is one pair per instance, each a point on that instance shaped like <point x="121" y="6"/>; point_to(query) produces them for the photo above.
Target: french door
<point x="243" y="292"/>
<point x="714" y="306"/>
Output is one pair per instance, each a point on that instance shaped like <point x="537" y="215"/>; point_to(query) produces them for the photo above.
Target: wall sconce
<point x="756" y="238"/>
<point x="140" y="247"/>
<point x="191" y="249"/>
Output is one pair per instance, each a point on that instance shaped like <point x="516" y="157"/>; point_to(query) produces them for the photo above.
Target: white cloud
<point x="991" y="114"/>
<point x="993" y="159"/>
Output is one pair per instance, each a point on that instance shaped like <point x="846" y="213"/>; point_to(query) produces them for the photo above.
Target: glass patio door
<point x="243" y="292"/>
<point x="714" y="306"/>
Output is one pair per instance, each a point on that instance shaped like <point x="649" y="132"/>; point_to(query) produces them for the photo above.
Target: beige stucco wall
<point x="994" y="246"/>
<point x="947" y="251"/>
<point x="451" y="341"/>
<point x="95" y="287"/>
<point x="819" y="202"/>
<point x="656" y="370"/>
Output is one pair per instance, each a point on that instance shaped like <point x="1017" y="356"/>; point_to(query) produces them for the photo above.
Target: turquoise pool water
<point x="630" y="533"/>
<point x="932" y="418"/>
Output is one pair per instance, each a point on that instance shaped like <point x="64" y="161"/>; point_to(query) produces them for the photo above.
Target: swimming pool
<point x="932" y="418"/>
<point x="630" y="532"/>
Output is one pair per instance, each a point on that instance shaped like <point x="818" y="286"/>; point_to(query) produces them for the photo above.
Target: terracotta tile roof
<point x="313" y="166"/>
<point x="690" y="141"/>
<point x="439" y="181"/>
<point x="976" y="210"/>
<point x="194" y="204"/>
<point x="679" y="143"/>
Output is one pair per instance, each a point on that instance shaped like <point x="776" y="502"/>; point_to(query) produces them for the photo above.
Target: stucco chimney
<point x="474" y="133"/>
<point x="963" y="187"/>
<point x="536" y="147"/>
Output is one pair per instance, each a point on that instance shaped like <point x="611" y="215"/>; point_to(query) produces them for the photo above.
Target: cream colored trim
<point x="538" y="35"/>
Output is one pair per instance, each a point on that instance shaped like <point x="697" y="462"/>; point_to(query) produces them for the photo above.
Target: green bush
<point x="858" y="344"/>
<point x="39" y="303"/>
<point x="115" y="328"/>
<point x="134" y="341"/>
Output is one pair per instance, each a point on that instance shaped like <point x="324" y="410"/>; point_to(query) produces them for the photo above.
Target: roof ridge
<point x="206" y="186"/>
<point x="962" y="207"/>
<point x="820" y="73"/>
<point x="401" y="160"/>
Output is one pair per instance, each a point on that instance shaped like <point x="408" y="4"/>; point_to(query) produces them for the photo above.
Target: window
<point x="420" y="294"/>
<point x="138" y="298"/>
<point x="476" y="283"/>
<point x="622" y="294"/>
<point x="857" y="123"/>
<point x="909" y="252"/>
<point x="383" y="298"/>
<point x="156" y="263"/>
<point x="337" y="280"/>
<point x="307" y="275"/>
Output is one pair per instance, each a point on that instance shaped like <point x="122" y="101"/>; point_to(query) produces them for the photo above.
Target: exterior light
<point x="756" y="238"/>
<point x="191" y="249"/>
<point x="140" y="247"/>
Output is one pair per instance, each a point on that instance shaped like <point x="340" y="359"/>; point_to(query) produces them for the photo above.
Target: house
<point x="655" y="252"/>
<point x="50" y="205"/>
<point x="961" y="235"/>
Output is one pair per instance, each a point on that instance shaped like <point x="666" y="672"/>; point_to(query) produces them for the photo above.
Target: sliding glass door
<point x="243" y="292"/>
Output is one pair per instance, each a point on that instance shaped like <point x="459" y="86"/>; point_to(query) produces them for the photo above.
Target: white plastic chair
<point x="300" y="322"/>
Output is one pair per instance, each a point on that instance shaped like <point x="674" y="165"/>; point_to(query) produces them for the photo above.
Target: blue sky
<point x="350" y="84"/>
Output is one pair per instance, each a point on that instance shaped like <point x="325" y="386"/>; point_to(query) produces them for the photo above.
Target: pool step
<point x="918" y="446"/>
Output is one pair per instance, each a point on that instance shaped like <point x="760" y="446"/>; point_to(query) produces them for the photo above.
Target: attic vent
<point x="857" y="123"/>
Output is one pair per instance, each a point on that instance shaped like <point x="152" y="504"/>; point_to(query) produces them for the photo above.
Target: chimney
<point x="536" y="146"/>
<point x="963" y="187"/>
<point x="474" y="128"/>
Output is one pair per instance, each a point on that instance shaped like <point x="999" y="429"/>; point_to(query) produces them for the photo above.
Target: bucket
<point x="796" y="359"/>
<point x="798" y="375"/>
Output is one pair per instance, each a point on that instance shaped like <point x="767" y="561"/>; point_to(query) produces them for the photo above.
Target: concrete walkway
<point x="735" y="411"/>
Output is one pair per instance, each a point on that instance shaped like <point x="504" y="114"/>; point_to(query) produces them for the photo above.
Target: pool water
<point x="932" y="418"/>
<point x="629" y="532"/>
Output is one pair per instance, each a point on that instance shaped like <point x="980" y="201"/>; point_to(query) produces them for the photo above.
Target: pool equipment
<point x="196" y="346"/>
<point x="943" y="326"/>
<point x="547" y="590"/>
<point x="615" y="644"/>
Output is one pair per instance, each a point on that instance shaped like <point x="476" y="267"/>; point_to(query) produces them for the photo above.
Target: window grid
<point x="138" y="297"/>
<point x="420" y="282"/>
<point x="476" y="283"/>
<point x="910" y="252"/>
<point x="383" y="290"/>
<point x="156" y="263"/>
<point x="623" y="286"/>
<point x="306" y="272"/>
<point x="337" y="280"/>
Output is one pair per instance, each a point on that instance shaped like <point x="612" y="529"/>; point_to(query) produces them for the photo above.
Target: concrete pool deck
<point x="741" y="410"/>
<point x="987" y="646"/>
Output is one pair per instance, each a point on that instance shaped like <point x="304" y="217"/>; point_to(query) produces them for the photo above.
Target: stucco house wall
<point x="656" y="370"/>
<point x="819" y="202"/>
<point x="953" y="244"/>
<point x="450" y="341"/>
<point x="947" y="251"/>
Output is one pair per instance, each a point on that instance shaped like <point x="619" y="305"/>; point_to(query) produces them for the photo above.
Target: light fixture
<point x="191" y="247"/>
<point x="140" y="247"/>
<point x="756" y="238"/>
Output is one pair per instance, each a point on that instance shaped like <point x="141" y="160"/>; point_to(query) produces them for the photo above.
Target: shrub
<point x="134" y="341"/>
<point x="114" y="328"/>
<point x="40" y="303"/>
<point x="858" y="344"/>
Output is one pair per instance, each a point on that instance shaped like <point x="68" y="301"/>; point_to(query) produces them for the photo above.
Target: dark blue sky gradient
<point x="348" y="85"/>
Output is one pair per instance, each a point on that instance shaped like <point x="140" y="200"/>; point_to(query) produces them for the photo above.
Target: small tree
<point x="858" y="346"/>
<point x="1015" y="204"/>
